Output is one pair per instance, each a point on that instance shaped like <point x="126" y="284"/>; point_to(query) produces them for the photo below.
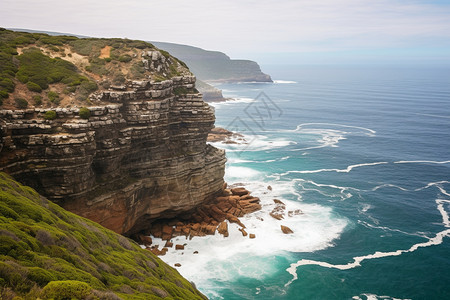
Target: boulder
<point x="179" y="247"/>
<point x="276" y="216"/>
<point x="286" y="230"/>
<point x="146" y="240"/>
<point x="239" y="191"/>
<point x="223" y="229"/>
<point x="278" y="202"/>
<point x="252" y="235"/>
<point x="242" y="230"/>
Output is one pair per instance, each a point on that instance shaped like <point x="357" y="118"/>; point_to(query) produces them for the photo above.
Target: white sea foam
<point x="389" y="185"/>
<point x="226" y="259"/>
<point x="235" y="173"/>
<point x="437" y="184"/>
<point x="422" y="162"/>
<point x="235" y="160"/>
<point x="444" y="213"/>
<point x="231" y="101"/>
<point x="375" y="297"/>
<point x="254" y="143"/>
<point x="436" y="240"/>
<point x="367" y="130"/>
<point x="343" y="192"/>
<point x="346" y="170"/>
<point x="284" y="81"/>
<point x="368" y="225"/>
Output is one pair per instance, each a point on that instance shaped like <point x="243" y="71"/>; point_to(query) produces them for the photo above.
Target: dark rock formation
<point x="138" y="159"/>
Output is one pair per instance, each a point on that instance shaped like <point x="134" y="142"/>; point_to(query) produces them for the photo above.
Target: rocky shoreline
<point x="204" y="220"/>
<point x="212" y="217"/>
<point x="219" y="134"/>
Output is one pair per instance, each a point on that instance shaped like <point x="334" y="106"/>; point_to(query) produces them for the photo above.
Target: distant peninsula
<point x="212" y="67"/>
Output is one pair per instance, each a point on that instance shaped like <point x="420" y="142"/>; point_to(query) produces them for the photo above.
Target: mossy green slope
<point x="44" y="248"/>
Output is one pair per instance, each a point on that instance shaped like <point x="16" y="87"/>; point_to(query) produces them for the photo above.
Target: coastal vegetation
<point x="49" y="253"/>
<point x="37" y="64"/>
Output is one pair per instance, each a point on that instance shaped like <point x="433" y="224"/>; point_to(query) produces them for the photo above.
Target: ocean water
<point x="364" y="153"/>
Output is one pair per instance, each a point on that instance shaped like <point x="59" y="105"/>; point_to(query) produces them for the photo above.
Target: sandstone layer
<point x="141" y="157"/>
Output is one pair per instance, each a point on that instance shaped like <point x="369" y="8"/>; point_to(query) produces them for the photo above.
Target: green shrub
<point x="50" y="115"/>
<point x="118" y="79"/>
<point x="84" y="113"/>
<point x="125" y="58"/>
<point x="7" y="84"/>
<point x="40" y="276"/>
<point x="89" y="86"/>
<point x="67" y="289"/>
<point x="43" y="70"/>
<point x="3" y="95"/>
<point x="180" y="90"/>
<point x="108" y="59"/>
<point x="53" y="97"/>
<point x="21" y="103"/>
<point x="37" y="99"/>
<point x="33" y="87"/>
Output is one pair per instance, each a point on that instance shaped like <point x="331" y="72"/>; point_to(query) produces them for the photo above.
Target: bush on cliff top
<point x="44" y="248"/>
<point x="50" y="115"/>
<point x="84" y="113"/>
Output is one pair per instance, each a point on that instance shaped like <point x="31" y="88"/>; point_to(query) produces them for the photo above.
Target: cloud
<point x="237" y="26"/>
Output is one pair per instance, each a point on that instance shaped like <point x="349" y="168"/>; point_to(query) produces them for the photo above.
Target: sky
<point x="268" y="31"/>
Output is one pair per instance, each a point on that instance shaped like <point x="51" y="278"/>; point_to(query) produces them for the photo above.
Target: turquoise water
<point x="364" y="153"/>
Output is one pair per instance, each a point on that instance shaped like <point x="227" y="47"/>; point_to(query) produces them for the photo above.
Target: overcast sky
<point x="303" y="31"/>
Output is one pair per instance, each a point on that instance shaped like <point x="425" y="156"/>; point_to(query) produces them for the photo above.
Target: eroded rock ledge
<point x="141" y="157"/>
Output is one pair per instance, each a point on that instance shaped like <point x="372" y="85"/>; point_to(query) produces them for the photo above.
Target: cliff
<point x="210" y="93"/>
<point x="134" y="153"/>
<point x="214" y="66"/>
<point x="49" y="253"/>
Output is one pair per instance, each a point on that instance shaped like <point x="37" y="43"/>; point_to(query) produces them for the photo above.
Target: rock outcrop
<point x="207" y="218"/>
<point x="141" y="157"/>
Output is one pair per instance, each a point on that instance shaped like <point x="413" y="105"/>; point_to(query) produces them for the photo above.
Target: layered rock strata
<point x="141" y="157"/>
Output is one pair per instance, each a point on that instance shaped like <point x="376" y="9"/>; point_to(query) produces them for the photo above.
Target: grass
<point x="44" y="249"/>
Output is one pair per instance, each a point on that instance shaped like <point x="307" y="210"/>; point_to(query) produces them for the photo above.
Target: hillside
<point x="215" y="66"/>
<point x="47" y="252"/>
<point x="42" y="70"/>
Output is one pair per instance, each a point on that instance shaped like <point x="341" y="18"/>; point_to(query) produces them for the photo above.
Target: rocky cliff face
<point x="141" y="157"/>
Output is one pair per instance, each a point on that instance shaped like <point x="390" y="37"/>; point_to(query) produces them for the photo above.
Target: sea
<point x="360" y="157"/>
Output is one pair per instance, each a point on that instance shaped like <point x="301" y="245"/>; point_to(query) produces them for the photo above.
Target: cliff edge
<point x="111" y="129"/>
